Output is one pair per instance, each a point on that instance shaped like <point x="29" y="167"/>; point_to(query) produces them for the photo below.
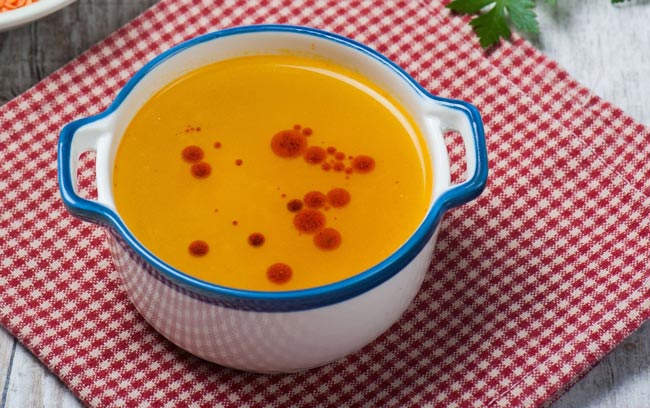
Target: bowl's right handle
<point x="465" y="119"/>
<point x="89" y="134"/>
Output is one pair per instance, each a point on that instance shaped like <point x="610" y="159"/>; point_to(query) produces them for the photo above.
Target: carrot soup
<point x="272" y="172"/>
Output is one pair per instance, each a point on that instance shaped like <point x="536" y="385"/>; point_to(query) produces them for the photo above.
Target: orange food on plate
<point x="8" y="5"/>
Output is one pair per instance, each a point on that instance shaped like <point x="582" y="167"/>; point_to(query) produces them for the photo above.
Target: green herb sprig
<point x="495" y="17"/>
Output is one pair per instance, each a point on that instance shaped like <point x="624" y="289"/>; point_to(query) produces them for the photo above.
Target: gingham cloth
<point x="530" y="285"/>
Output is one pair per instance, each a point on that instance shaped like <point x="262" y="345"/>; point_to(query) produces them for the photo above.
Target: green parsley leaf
<point x="468" y="6"/>
<point x="490" y="27"/>
<point x="522" y="15"/>
<point x="495" y="16"/>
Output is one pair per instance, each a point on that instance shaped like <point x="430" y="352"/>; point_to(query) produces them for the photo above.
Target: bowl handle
<point x="465" y="119"/>
<point x="84" y="135"/>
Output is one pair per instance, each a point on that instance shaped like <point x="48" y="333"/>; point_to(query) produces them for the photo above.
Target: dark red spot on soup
<point x="294" y="205"/>
<point x="338" y="197"/>
<point x="315" y="155"/>
<point x="309" y="220"/>
<point x="327" y="239"/>
<point x="256" y="239"/>
<point x="198" y="248"/>
<point x="192" y="154"/>
<point x="239" y="162"/>
<point x="201" y="170"/>
<point x="363" y="163"/>
<point x="314" y="199"/>
<point x="289" y="143"/>
<point x="279" y="273"/>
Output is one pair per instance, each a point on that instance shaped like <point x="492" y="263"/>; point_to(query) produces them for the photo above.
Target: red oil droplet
<point x="198" y="248"/>
<point x="239" y="162"/>
<point x="235" y="222"/>
<point x="339" y="156"/>
<point x="331" y="150"/>
<point x="309" y="220"/>
<point x="327" y="239"/>
<point x="326" y="166"/>
<point x="192" y="154"/>
<point x="315" y="155"/>
<point x="294" y="205"/>
<point x="217" y="145"/>
<point x="363" y="164"/>
<point x="201" y="170"/>
<point x="279" y="273"/>
<point x="339" y="166"/>
<point x="256" y="239"/>
<point x="314" y="199"/>
<point x="288" y="143"/>
<point x="307" y="131"/>
<point x="339" y="197"/>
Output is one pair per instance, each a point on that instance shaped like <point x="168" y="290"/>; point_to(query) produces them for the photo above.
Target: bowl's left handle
<point x="81" y="136"/>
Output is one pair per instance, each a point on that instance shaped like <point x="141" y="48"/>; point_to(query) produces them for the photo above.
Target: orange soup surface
<point x="272" y="173"/>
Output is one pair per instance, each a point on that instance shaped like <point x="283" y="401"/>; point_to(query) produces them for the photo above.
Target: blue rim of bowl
<point x="293" y="300"/>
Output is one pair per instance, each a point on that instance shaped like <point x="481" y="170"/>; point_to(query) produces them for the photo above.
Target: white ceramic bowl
<point x="272" y="331"/>
<point x="27" y="14"/>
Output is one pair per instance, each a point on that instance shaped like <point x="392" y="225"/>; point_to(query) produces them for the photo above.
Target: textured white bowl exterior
<point x="267" y="342"/>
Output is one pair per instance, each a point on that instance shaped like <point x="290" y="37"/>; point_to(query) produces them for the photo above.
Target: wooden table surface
<point x="605" y="47"/>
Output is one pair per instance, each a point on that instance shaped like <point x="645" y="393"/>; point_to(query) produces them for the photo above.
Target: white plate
<point x="29" y="13"/>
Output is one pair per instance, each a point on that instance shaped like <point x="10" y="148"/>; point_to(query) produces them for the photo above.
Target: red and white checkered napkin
<point x="530" y="284"/>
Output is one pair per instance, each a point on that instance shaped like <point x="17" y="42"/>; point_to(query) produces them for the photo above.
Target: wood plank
<point x="30" y="53"/>
<point x="7" y="351"/>
<point x="606" y="47"/>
